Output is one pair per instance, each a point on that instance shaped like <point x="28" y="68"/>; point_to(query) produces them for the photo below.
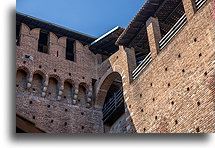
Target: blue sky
<point x="91" y="17"/>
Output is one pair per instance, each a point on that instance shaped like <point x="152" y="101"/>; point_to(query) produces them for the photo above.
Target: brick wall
<point x="57" y="93"/>
<point x="175" y="93"/>
<point x="176" y="90"/>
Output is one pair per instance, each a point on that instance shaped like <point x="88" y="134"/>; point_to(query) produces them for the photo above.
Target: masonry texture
<point x="173" y="93"/>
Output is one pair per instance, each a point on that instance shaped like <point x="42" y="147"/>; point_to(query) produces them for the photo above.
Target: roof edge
<point x="56" y="25"/>
<point x="106" y="34"/>
<point x="133" y="20"/>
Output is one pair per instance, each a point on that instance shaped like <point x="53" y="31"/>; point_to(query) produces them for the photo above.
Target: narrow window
<point x="18" y="26"/>
<point x="70" y="50"/>
<point x="43" y="42"/>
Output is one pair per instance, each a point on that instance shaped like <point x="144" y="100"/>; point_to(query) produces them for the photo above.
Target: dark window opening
<point x="93" y="88"/>
<point x="70" y="55"/>
<point x="93" y="82"/>
<point x="27" y="56"/>
<point x="113" y="107"/>
<point x="18" y="28"/>
<point x="43" y="42"/>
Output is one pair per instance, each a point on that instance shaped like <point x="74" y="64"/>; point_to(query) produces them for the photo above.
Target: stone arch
<point x="53" y="87"/>
<point x="82" y="94"/>
<point x="68" y="91"/>
<point x="24" y="68"/>
<point x="22" y="75"/>
<point x="40" y="73"/>
<point x="110" y="98"/>
<point x="56" y="77"/>
<point x="37" y="83"/>
<point x="104" y="86"/>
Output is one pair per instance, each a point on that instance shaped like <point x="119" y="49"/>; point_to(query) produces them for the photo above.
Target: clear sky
<point x="91" y="17"/>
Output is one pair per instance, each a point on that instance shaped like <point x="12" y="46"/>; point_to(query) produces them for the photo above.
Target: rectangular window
<point x="18" y="26"/>
<point x="43" y="42"/>
<point x="70" y="55"/>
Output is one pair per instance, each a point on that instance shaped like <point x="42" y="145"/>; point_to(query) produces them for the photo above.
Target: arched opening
<point x="113" y="104"/>
<point x="68" y="91"/>
<point x="21" y="80"/>
<point x="52" y="89"/>
<point x="37" y="84"/>
<point x="82" y="95"/>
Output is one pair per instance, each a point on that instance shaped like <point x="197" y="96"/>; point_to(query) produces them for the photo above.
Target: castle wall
<point x="176" y="91"/>
<point x="57" y="93"/>
<point x="173" y="94"/>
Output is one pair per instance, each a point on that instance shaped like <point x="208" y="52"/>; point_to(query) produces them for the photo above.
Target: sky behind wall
<point x="91" y="17"/>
